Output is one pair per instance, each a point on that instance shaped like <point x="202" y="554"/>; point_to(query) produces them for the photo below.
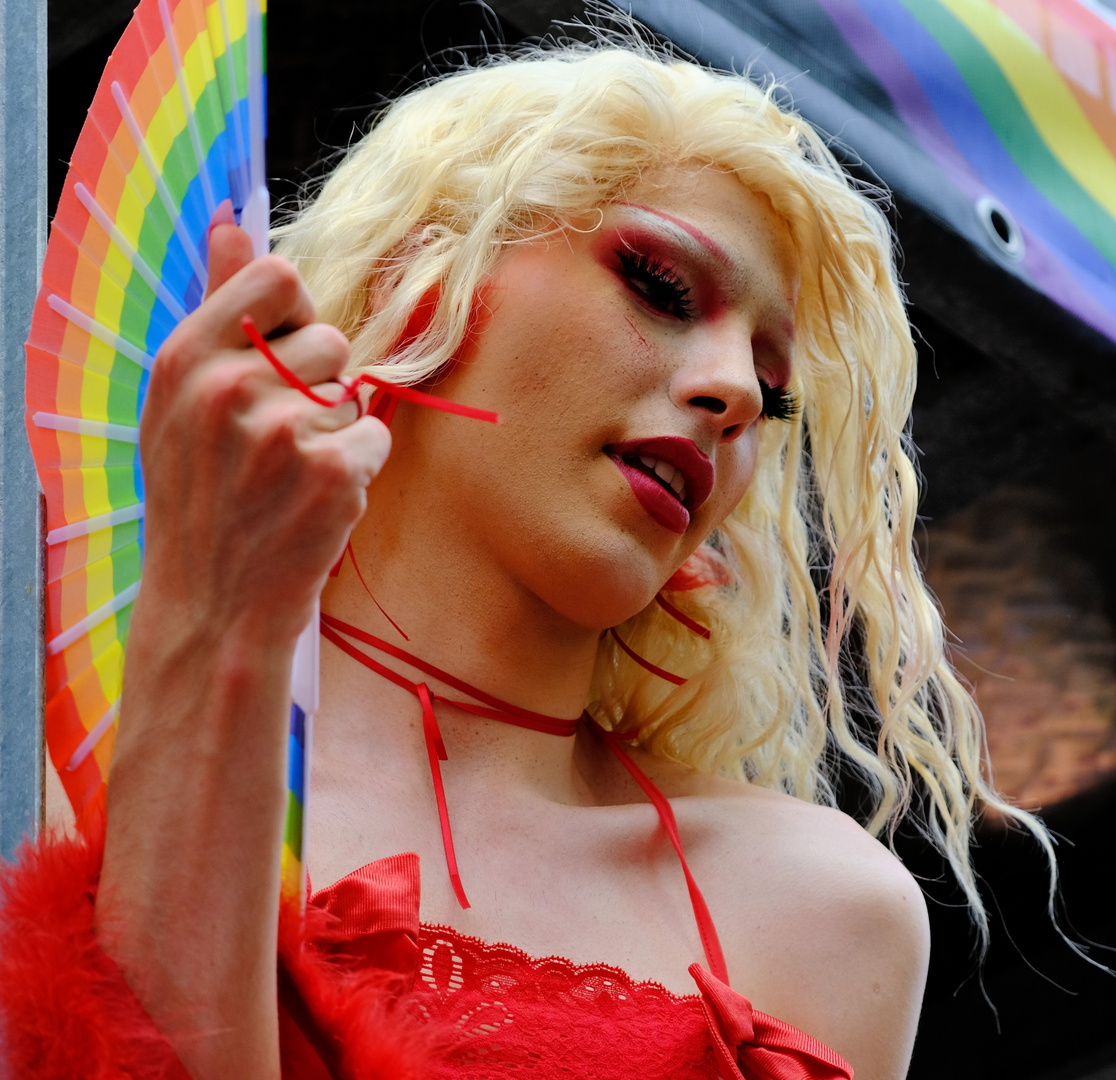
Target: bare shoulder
<point x="836" y="941"/>
<point x="816" y="863"/>
<point x="822" y="924"/>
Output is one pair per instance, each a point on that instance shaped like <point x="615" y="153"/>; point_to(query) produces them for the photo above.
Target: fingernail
<point x="223" y="215"/>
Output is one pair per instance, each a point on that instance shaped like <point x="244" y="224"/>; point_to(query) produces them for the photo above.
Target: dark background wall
<point x="1014" y="418"/>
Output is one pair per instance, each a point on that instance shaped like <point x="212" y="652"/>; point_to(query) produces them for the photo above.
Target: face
<point x="632" y="364"/>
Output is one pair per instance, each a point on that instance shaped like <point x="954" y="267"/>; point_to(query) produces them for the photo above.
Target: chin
<point x="598" y="594"/>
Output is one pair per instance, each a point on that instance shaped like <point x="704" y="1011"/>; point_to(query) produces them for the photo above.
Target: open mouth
<point x="669" y="476"/>
<point x="662" y="472"/>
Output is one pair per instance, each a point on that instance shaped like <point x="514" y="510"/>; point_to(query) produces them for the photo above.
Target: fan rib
<point x="233" y="110"/>
<point x="187" y="107"/>
<point x="153" y="170"/>
<point x="257" y="208"/>
<point x="94" y="618"/>
<point x="255" y="95"/>
<point x="99" y="429"/>
<point x="96" y="733"/>
<point x="100" y="332"/>
<point x="177" y="311"/>
<point x="96" y="523"/>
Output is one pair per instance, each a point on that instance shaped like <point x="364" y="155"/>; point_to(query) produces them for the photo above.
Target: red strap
<point x="710" y="942"/>
<point x="435" y="746"/>
<point x="500" y="710"/>
<point x="495" y="709"/>
<point x="352" y="387"/>
<point x="676" y="679"/>
<point x="382" y="406"/>
<point x="681" y="616"/>
<point x="356" y="566"/>
<point x="436" y="752"/>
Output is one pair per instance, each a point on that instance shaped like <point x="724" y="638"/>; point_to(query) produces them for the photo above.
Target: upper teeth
<point x="669" y="475"/>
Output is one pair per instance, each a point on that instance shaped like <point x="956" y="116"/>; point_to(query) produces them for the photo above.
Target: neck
<point x="462" y="614"/>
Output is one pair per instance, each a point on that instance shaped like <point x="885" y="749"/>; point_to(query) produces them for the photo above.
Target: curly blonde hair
<point x="826" y="652"/>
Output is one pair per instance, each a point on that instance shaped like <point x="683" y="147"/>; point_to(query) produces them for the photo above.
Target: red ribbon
<point x="352" y="386"/>
<point x="681" y="616"/>
<point x="663" y="674"/>
<point x="710" y="942"/>
<point x="495" y="709"/>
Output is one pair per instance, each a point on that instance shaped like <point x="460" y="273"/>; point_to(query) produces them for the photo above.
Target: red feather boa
<point x="66" y="1012"/>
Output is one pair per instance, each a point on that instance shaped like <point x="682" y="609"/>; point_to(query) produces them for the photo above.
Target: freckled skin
<point x="574" y="360"/>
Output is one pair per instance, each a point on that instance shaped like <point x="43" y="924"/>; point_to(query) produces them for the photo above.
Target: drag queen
<point x="593" y="669"/>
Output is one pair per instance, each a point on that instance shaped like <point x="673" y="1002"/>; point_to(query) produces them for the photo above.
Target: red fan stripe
<point x="65" y="558"/>
<point x="95" y="165"/>
<point x="64" y="728"/>
<point x="129" y="60"/>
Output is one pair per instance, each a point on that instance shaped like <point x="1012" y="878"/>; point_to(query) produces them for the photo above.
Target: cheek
<point x="739" y="466"/>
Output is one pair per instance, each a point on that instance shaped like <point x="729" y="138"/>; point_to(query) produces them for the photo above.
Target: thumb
<point x="230" y="248"/>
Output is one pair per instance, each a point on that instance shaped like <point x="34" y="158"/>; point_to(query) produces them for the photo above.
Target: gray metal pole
<point x="23" y="212"/>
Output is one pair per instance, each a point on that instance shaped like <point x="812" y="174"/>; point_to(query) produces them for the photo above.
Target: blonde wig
<point x="826" y="650"/>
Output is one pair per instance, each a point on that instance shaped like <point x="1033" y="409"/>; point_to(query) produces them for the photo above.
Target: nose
<point x="717" y="380"/>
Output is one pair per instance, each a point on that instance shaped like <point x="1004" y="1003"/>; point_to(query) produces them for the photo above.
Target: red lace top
<point x="509" y="1014"/>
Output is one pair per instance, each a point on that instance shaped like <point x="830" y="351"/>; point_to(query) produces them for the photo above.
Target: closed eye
<point x="657" y="284"/>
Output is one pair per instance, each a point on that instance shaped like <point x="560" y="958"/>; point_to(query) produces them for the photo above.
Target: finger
<point x="317" y="353"/>
<point x="341" y="412"/>
<point x="270" y="291"/>
<point x="368" y="442"/>
<point x="230" y="250"/>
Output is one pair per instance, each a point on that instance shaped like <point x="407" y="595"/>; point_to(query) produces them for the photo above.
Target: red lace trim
<point x="501" y="956"/>
<point x="549" y="1017"/>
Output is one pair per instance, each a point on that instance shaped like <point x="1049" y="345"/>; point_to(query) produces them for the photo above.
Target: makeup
<point x="669" y="476"/>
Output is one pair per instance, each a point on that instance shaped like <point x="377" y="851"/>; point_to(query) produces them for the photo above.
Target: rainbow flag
<point x="997" y="116"/>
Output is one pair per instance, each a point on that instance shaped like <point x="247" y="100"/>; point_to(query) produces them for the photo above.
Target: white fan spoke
<point x="94" y="618"/>
<point x="78" y="426"/>
<point x="136" y="260"/>
<point x="257" y="210"/>
<point x="100" y="332"/>
<point x="96" y="734"/>
<point x="231" y="106"/>
<point x="153" y="170"/>
<point x="187" y="108"/>
<point x="95" y="523"/>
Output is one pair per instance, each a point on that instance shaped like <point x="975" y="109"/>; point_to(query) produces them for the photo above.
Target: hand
<point x="252" y="489"/>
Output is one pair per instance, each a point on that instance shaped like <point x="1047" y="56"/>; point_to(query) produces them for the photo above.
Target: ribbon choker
<point x="492" y="708"/>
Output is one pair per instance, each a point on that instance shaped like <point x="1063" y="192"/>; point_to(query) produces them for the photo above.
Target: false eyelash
<point x="656" y="283"/>
<point x="779" y="402"/>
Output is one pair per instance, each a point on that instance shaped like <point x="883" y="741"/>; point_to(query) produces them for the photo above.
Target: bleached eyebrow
<point x="689" y="236"/>
<point x="692" y="231"/>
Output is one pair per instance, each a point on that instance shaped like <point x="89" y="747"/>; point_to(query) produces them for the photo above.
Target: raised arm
<point x="251" y="492"/>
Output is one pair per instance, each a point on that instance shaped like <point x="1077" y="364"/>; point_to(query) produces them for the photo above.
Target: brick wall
<point x="1032" y="637"/>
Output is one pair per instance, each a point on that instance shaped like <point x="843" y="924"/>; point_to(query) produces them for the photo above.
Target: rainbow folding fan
<point x="176" y="128"/>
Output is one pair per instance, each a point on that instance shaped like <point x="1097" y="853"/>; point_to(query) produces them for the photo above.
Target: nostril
<point x="715" y="405"/>
<point x="731" y="432"/>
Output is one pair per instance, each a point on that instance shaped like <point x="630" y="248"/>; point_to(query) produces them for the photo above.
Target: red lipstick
<point x="658" y="500"/>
